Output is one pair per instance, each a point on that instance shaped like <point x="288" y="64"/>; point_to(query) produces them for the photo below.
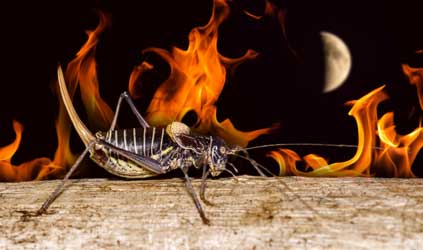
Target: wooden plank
<point x="255" y="213"/>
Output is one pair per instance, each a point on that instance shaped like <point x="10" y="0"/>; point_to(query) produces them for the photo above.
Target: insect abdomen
<point x="149" y="143"/>
<point x="146" y="142"/>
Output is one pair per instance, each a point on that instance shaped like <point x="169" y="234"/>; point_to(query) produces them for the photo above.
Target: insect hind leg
<point x="127" y="98"/>
<point x="59" y="189"/>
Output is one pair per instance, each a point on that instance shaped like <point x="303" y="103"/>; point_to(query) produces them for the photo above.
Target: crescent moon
<point x="337" y="61"/>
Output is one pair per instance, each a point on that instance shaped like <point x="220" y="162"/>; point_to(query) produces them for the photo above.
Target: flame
<point x="196" y="80"/>
<point x="82" y="71"/>
<point x="415" y="76"/>
<point x="39" y="168"/>
<point x="381" y="150"/>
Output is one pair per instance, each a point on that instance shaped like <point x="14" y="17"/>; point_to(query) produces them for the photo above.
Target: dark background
<point x="277" y="87"/>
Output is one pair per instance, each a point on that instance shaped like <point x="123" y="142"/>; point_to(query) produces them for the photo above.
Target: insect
<point x="148" y="151"/>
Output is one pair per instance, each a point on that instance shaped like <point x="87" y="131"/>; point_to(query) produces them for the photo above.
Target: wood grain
<point x="253" y="213"/>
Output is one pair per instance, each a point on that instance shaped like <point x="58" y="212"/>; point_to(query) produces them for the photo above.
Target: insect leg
<point x="190" y="189"/>
<point x="145" y="162"/>
<point x="203" y="185"/>
<point x="131" y="104"/>
<point x="60" y="187"/>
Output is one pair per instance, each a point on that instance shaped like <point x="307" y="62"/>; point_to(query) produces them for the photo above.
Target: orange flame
<point x="196" y="80"/>
<point x="82" y="71"/>
<point x="415" y="76"/>
<point x="381" y="150"/>
<point x="37" y="169"/>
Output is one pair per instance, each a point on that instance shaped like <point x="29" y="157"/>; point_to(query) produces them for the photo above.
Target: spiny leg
<point x="131" y="104"/>
<point x="60" y="187"/>
<point x="190" y="189"/>
<point x="203" y="186"/>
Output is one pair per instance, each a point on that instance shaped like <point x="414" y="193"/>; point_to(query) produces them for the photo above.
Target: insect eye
<point x="222" y="150"/>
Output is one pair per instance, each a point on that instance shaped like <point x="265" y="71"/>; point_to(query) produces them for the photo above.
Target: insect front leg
<point x="131" y="104"/>
<point x="60" y="187"/>
<point x="206" y="173"/>
<point x="197" y="203"/>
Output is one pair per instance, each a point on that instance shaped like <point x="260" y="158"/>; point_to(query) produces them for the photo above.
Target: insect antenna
<point x="258" y="166"/>
<point x="306" y="144"/>
<point x="230" y="172"/>
<point x="255" y="164"/>
<point x="303" y="144"/>
<point x="233" y="166"/>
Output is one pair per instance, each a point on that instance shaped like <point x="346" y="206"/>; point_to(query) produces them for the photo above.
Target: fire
<point x="36" y="169"/>
<point x="415" y="76"/>
<point x="380" y="150"/>
<point x="81" y="71"/>
<point x="196" y="80"/>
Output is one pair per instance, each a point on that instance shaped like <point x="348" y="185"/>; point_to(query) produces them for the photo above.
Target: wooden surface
<point x="255" y="213"/>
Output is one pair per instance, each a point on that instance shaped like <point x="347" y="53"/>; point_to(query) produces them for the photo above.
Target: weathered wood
<point x="255" y="213"/>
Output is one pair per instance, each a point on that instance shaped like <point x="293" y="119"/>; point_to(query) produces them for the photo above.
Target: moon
<point x="337" y="61"/>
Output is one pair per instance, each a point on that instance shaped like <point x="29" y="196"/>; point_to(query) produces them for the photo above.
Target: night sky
<point x="276" y="87"/>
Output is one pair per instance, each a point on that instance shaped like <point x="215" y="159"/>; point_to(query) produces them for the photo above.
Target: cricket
<point x="147" y="151"/>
